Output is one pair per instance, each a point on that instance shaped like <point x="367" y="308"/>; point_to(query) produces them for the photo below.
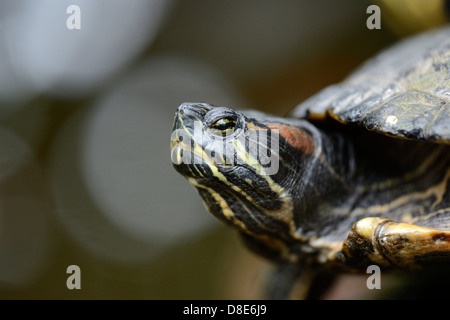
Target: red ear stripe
<point x="296" y="137"/>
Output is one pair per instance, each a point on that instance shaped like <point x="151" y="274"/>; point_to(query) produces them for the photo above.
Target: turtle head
<point x="245" y="167"/>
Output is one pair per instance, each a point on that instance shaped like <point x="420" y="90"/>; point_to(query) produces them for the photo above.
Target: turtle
<point x="355" y="176"/>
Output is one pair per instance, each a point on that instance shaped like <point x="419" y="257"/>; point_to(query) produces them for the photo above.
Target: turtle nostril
<point x="190" y="109"/>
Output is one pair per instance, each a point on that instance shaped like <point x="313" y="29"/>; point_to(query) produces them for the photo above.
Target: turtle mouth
<point x="199" y="167"/>
<point x="190" y="162"/>
<point x="197" y="171"/>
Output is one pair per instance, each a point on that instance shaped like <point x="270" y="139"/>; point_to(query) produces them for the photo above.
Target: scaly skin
<point x="326" y="181"/>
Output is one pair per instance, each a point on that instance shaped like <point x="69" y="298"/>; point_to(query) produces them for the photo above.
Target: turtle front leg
<point x="392" y="244"/>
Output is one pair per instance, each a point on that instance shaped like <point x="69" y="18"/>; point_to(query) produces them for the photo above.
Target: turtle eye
<point x="224" y="126"/>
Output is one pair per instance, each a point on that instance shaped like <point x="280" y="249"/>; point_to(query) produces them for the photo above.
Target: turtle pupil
<point x="224" y="125"/>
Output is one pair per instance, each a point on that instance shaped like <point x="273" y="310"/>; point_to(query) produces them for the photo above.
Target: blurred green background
<point x="85" y="123"/>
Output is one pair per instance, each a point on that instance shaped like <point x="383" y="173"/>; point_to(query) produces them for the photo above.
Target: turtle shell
<point x="403" y="91"/>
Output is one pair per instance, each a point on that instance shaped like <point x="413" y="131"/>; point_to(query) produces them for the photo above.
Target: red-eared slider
<point x="310" y="192"/>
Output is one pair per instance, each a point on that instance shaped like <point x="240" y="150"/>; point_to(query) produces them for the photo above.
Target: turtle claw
<point x="392" y="244"/>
